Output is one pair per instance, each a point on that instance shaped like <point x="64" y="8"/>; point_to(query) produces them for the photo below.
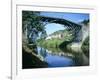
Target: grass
<point x="54" y="43"/>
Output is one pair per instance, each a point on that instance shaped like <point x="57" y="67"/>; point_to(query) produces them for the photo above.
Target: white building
<point x="59" y="36"/>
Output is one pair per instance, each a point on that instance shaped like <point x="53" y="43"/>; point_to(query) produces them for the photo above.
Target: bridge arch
<point x="69" y="25"/>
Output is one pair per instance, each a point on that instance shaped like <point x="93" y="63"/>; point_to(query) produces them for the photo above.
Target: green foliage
<point x="32" y="18"/>
<point x="31" y="24"/>
<point x="54" y="43"/>
<point x="85" y="46"/>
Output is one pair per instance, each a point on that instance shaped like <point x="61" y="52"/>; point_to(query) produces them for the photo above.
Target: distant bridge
<point x="69" y="25"/>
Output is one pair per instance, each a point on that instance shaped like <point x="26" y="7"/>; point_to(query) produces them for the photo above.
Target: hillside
<point x="61" y="34"/>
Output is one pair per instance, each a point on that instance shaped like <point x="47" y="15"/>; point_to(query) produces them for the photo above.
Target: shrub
<point x="85" y="46"/>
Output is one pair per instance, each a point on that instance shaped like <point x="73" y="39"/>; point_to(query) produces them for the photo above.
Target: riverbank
<point x="30" y="60"/>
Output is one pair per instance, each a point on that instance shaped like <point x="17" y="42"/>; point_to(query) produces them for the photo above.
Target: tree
<point x="85" y="46"/>
<point x="31" y="26"/>
<point x="43" y="34"/>
<point x="85" y="22"/>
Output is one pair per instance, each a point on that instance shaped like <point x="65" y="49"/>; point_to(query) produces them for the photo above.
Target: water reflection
<point x="57" y="58"/>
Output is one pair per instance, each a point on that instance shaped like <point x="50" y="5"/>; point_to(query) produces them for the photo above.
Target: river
<point x="58" y="58"/>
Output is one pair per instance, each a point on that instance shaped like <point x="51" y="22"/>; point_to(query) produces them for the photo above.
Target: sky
<point x="50" y="28"/>
<point x="74" y="17"/>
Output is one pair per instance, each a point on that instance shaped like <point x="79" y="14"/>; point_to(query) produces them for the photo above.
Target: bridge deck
<point x="60" y="21"/>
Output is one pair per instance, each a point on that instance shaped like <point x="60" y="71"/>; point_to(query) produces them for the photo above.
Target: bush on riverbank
<point x="54" y="43"/>
<point x="85" y="46"/>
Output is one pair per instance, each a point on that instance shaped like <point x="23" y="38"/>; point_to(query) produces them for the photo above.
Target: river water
<point x="58" y="58"/>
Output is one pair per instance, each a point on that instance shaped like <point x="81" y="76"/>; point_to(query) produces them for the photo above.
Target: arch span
<point x="69" y="25"/>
